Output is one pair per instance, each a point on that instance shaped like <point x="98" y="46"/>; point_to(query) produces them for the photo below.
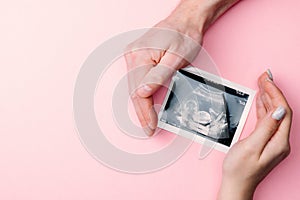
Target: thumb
<point x="158" y="74"/>
<point x="266" y="128"/>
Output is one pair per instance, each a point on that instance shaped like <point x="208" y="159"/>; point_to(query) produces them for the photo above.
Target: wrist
<point x="195" y="16"/>
<point x="232" y="190"/>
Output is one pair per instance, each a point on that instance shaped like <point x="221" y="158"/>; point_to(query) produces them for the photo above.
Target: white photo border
<point x="198" y="138"/>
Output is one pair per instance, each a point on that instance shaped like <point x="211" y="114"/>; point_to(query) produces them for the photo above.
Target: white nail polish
<point x="147" y="88"/>
<point x="270" y="74"/>
<point x="279" y="113"/>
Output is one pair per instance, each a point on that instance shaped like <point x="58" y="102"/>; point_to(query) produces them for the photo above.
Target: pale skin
<point x="250" y="160"/>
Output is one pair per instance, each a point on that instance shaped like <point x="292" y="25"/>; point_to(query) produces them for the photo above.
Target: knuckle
<point x="271" y="127"/>
<point x="285" y="150"/>
<point x="134" y="46"/>
<point x="249" y="150"/>
<point x="133" y="95"/>
<point x="128" y="56"/>
<point x="290" y="111"/>
<point x="156" y="79"/>
<point x="129" y="47"/>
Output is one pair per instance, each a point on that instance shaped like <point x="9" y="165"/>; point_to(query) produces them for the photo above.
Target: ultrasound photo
<point x="203" y="107"/>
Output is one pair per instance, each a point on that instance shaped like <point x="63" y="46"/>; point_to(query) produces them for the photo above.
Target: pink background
<point x="42" y="47"/>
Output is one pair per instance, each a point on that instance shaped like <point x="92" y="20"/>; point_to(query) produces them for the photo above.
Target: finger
<point x="272" y="98"/>
<point x="139" y="64"/>
<point x="266" y="129"/>
<point x="278" y="146"/>
<point x="146" y="114"/>
<point x="157" y="75"/>
<point x="273" y="92"/>
<point x="143" y="106"/>
<point x="260" y="107"/>
<point x="276" y="149"/>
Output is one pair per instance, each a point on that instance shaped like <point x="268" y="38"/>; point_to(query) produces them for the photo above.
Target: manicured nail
<point x="147" y="88"/>
<point x="279" y="113"/>
<point x="268" y="79"/>
<point x="270" y="74"/>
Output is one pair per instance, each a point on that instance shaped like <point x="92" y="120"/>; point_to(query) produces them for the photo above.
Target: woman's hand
<point x="178" y="37"/>
<point x="249" y="161"/>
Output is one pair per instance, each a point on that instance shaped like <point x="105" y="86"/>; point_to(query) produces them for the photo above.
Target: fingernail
<point x="148" y="131"/>
<point x="152" y="125"/>
<point x="270" y="75"/>
<point x="268" y="79"/>
<point x="279" y="113"/>
<point x="147" y="88"/>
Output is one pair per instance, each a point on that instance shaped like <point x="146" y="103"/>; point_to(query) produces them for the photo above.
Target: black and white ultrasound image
<point x="203" y="107"/>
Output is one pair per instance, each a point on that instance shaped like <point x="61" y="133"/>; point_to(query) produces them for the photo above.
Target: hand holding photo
<point x="202" y="106"/>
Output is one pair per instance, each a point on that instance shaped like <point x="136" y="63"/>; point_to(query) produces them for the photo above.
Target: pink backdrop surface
<point x="43" y="45"/>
